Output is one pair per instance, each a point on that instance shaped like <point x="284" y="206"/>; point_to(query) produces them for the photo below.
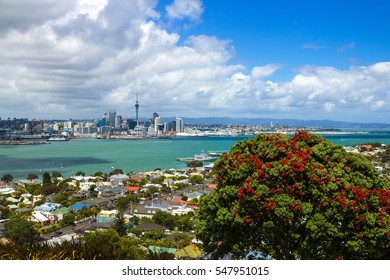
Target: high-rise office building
<point x="179" y="125"/>
<point x="118" y="121"/>
<point x="111" y="118"/>
<point x="156" y="124"/>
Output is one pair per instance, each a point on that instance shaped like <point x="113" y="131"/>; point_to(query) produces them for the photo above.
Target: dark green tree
<point x="196" y="179"/>
<point x="69" y="219"/>
<point x="50" y="188"/>
<point x="120" y="223"/>
<point x="297" y="197"/>
<point x="100" y="245"/>
<point x="31" y="176"/>
<point x="46" y="179"/>
<point x="7" y="178"/>
<point x="20" y="230"/>
<point x="56" y="174"/>
<point x="194" y="163"/>
<point x="165" y="219"/>
<point x="116" y="172"/>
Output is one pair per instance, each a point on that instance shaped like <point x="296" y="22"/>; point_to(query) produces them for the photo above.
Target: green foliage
<point x="184" y="222"/>
<point x="50" y="188"/>
<point x="20" y="230"/>
<point x="119" y="224"/>
<point x="155" y="235"/>
<point x="7" y="178"/>
<point x="101" y="245"/>
<point x="46" y="179"/>
<point x="115" y="172"/>
<point x="69" y="219"/>
<point x="165" y="219"/>
<point x="196" y="179"/>
<point x="80" y="173"/>
<point x="297" y="197"/>
<point x="158" y="180"/>
<point x="34" y="189"/>
<point x="31" y="176"/>
<point x="56" y="174"/>
<point x="194" y="163"/>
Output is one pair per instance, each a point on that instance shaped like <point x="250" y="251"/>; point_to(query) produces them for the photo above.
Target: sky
<point x="310" y="60"/>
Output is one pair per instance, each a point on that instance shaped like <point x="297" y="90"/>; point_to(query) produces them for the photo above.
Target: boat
<point x="56" y="138"/>
<point x="216" y="153"/>
<point x="199" y="157"/>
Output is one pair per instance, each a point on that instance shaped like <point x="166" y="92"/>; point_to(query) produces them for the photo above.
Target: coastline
<point x="16" y="143"/>
<point x="91" y="154"/>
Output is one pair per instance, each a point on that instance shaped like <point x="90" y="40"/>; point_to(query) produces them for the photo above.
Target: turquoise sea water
<point x="91" y="155"/>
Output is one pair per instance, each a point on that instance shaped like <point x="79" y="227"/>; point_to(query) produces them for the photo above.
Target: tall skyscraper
<point x="111" y="118"/>
<point x="179" y="125"/>
<point x="136" y="109"/>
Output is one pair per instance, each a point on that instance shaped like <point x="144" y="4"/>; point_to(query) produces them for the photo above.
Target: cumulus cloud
<point x="259" y="72"/>
<point x="87" y="57"/>
<point x="181" y="9"/>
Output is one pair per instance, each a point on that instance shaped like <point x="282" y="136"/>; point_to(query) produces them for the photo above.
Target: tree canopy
<point x="298" y="197"/>
<point x="7" y="178"/>
<point x="20" y="230"/>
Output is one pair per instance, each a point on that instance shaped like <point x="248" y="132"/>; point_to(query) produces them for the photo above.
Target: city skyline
<point x="193" y="58"/>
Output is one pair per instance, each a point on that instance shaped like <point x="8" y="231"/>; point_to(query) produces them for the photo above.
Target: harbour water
<point x="92" y="155"/>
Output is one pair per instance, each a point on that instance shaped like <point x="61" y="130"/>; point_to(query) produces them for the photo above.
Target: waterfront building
<point x="169" y="127"/>
<point x="156" y="121"/>
<point x="179" y="125"/>
<point x="111" y="118"/>
<point x="118" y="121"/>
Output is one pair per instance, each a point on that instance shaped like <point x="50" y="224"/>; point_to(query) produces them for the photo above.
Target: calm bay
<point x="92" y="155"/>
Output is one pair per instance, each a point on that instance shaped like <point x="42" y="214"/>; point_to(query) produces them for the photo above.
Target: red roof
<point x="132" y="188"/>
<point x="212" y="186"/>
<point x="176" y="199"/>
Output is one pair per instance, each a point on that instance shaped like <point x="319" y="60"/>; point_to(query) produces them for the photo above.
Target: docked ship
<point x="58" y="138"/>
<point x="199" y="157"/>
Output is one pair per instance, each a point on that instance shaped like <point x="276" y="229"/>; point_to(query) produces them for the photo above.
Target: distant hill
<point x="281" y="122"/>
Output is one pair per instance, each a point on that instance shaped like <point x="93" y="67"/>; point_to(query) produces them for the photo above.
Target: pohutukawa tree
<point x="298" y="197"/>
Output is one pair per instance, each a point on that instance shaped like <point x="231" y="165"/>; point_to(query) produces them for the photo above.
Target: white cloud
<point x="260" y="72"/>
<point x="181" y="9"/>
<point x="328" y="106"/>
<point x="347" y="47"/>
<point x="87" y="57"/>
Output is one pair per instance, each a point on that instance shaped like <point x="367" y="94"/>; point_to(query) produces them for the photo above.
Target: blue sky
<point x="294" y="33"/>
<point x="194" y="58"/>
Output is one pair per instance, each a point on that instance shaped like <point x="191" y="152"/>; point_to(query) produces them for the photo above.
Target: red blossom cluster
<point x="291" y="166"/>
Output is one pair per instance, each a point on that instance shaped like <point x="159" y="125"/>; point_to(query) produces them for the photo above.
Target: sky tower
<point x="136" y="109"/>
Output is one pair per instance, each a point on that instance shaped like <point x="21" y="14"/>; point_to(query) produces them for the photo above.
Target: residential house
<point x="101" y="202"/>
<point x="5" y="189"/>
<point x="191" y="251"/>
<point x="119" y="179"/>
<point x="148" y="211"/>
<point x="47" y="207"/>
<point x="39" y="217"/>
<point x="132" y="189"/>
<point x="150" y="227"/>
<point x="85" y="186"/>
<point x="80" y="205"/>
<point x="108" y="216"/>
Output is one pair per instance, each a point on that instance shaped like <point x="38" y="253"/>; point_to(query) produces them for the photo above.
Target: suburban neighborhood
<point x="159" y="207"/>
